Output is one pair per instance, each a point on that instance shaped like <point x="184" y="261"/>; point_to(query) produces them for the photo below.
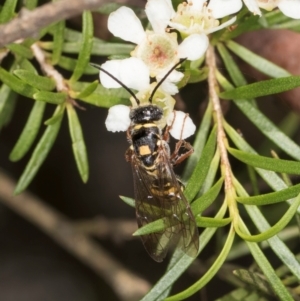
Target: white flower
<point x="157" y="49"/>
<point x="118" y="119"/>
<point x="195" y="16"/>
<point x="181" y="124"/>
<point x="290" y="8"/>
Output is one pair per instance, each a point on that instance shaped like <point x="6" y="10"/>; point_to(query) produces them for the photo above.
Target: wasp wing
<point x="158" y="194"/>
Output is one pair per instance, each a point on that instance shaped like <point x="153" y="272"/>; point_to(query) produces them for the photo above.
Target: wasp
<point x="158" y="191"/>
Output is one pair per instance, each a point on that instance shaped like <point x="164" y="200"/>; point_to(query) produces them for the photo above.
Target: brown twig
<point x="127" y="285"/>
<point x="116" y="229"/>
<point x="29" y="23"/>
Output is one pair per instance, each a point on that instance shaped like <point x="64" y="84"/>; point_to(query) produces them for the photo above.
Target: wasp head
<point x="144" y="114"/>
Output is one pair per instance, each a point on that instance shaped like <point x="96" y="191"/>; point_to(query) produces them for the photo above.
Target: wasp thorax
<point x="146" y="113"/>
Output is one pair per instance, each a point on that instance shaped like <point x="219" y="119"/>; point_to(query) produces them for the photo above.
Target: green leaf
<point x="203" y="202"/>
<point x="86" y="46"/>
<point x="232" y="68"/>
<point x="152" y="227"/>
<point x="38" y="156"/>
<point x="210" y="273"/>
<point x="31" y="78"/>
<point x="265" y="125"/>
<point x="278" y="165"/>
<point x="102" y="97"/>
<point x="7" y="104"/>
<point x="198" y="145"/>
<point x="51" y="97"/>
<point x="57" y="116"/>
<point x="16" y="85"/>
<point x="58" y="41"/>
<point x="20" y="50"/>
<point x="70" y="64"/>
<point x="209" y="222"/>
<point x="8" y="10"/>
<point x="29" y="132"/>
<point x="26" y="65"/>
<point x="257" y="61"/>
<point x="199" y="174"/>
<point x="78" y="144"/>
<point x="128" y="201"/>
<point x="108" y="8"/>
<point x="268" y="271"/>
<point x="87" y="91"/>
<point x="271" y="198"/>
<point x="262" y="88"/>
<point x="286" y="218"/>
<point x="31" y="4"/>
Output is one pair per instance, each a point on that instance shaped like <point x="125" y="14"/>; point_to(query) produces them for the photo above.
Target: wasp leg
<point x="128" y="154"/>
<point x="177" y="158"/>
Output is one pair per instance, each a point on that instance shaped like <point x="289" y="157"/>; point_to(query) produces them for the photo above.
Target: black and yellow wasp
<point x="158" y="192"/>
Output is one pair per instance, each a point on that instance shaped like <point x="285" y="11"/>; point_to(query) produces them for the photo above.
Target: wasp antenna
<point x="164" y="78"/>
<point x="118" y="81"/>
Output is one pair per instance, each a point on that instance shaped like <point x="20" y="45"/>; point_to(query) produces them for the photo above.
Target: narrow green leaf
<point x="29" y="132"/>
<point x="262" y="88"/>
<point x="26" y="65"/>
<point x="8" y="10"/>
<point x="16" y="85"/>
<point x="155" y="226"/>
<point x="208" y="222"/>
<point x="268" y="271"/>
<point x="276" y="228"/>
<point x="58" y="41"/>
<point x="102" y="97"/>
<point x="38" y="156"/>
<point x="7" y="104"/>
<point x="108" y="8"/>
<point x="87" y="91"/>
<point x="30" y="4"/>
<point x="257" y="61"/>
<point x="20" y="50"/>
<point x="210" y="273"/>
<point x="31" y="78"/>
<point x="232" y="68"/>
<point x="199" y="174"/>
<point x="86" y="46"/>
<point x="78" y="144"/>
<point x="278" y="165"/>
<point x="203" y="202"/>
<point x="70" y="64"/>
<point x="277" y="244"/>
<point x="271" y="198"/>
<point x="198" y="145"/>
<point x="57" y="116"/>
<point x="265" y="125"/>
<point x="51" y="97"/>
<point x="128" y="201"/>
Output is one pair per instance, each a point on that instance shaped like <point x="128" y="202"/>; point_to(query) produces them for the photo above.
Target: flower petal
<point x="124" y="24"/>
<point x="159" y="12"/>
<point x="113" y="67"/>
<point x="118" y="118"/>
<point x="182" y="125"/>
<point x="168" y="86"/>
<point x="253" y="6"/>
<point x="134" y="74"/>
<point x="290" y="8"/>
<point x="222" y="8"/>
<point x="193" y="47"/>
<point x="223" y="25"/>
